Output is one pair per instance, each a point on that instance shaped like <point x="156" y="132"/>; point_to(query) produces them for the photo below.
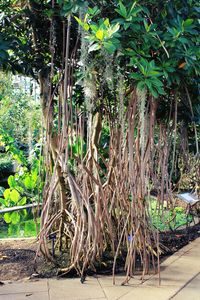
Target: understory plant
<point x="20" y="129"/>
<point x="25" y="186"/>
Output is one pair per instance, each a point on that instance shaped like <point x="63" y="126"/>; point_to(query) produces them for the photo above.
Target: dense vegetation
<point x="119" y="88"/>
<point x="20" y="134"/>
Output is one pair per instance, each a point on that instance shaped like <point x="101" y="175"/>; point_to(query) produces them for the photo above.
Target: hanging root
<point x="101" y="199"/>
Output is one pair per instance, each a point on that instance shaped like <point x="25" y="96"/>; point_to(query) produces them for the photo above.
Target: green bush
<point x="168" y="219"/>
<point x="6" y="166"/>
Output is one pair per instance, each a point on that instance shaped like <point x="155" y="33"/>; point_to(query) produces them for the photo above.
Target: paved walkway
<point x="180" y="280"/>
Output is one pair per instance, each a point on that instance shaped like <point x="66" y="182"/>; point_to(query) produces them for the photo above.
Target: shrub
<point x="6" y="166"/>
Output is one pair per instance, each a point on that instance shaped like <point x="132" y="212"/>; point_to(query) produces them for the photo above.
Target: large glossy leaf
<point x="11" y="181"/>
<point x="15" y="217"/>
<point x="14" y="196"/>
<point x="29" y="184"/>
<point x="7" y="194"/>
<point x="7" y="217"/>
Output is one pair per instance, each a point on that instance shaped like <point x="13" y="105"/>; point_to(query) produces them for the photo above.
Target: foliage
<point x="153" y="41"/>
<point x="156" y="57"/>
<point x="25" y="186"/>
<point x="23" y="189"/>
<point x="11" y="149"/>
<point x="20" y="129"/>
<point x="25" y="228"/>
<point x="6" y="166"/>
<point x="101" y="35"/>
<point x="169" y="219"/>
<point x="19" y="113"/>
<point x="23" y="168"/>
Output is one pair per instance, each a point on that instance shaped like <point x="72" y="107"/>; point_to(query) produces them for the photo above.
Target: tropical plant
<point x="132" y="67"/>
<point x="25" y="186"/>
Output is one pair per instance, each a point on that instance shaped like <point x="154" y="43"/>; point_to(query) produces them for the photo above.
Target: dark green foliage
<point x="6" y="166"/>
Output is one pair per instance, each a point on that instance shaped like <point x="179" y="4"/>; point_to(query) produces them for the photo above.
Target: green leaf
<point x="94" y="47"/>
<point x="34" y="176"/>
<point x="79" y="21"/>
<point x="122" y="10"/>
<point x="7" y="217"/>
<point x="154" y="73"/>
<point x="107" y="22"/>
<point x="126" y="25"/>
<point x="6" y="194"/>
<point x="94" y="11"/>
<point x="137" y="10"/>
<point x="29" y="184"/>
<point x="183" y="40"/>
<point x="22" y="201"/>
<point x="135" y="76"/>
<point x="3" y="202"/>
<point x="23" y="213"/>
<point x="154" y="93"/>
<point x="15" y="217"/>
<point x="147" y="27"/>
<point x="157" y="82"/>
<point x="100" y="34"/>
<point x="49" y="13"/>
<point x="148" y="83"/>
<point x="113" y="30"/>
<point x="187" y="22"/>
<point x="141" y="85"/>
<point x="94" y="27"/>
<point x="82" y="24"/>
<point x="14" y="196"/>
<point x="12" y="182"/>
<point x="132" y="8"/>
<point x="86" y="26"/>
<point x="90" y="38"/>
<point x="110" y="47"/>
<point x="160" y="90"/>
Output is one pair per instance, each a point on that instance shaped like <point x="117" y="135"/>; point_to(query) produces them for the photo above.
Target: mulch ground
<point x="17" y="257"/>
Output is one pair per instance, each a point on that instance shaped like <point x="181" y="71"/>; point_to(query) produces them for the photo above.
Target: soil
<point x="17" y="256"/>
<point x="17" y="259"/>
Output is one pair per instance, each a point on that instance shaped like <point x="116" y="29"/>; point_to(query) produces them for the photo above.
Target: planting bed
<point x="17" y="256"/>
